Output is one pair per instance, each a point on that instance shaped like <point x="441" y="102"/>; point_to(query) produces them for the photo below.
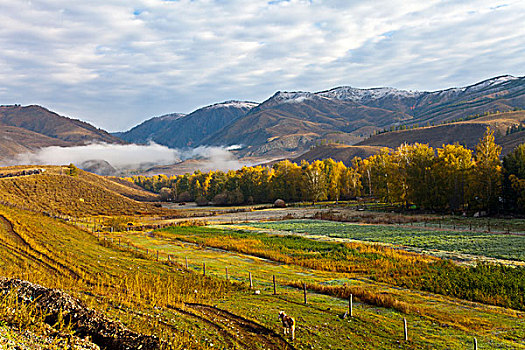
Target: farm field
<point x="119" y="275"/>
<point x="481" y="244"/>
<point x="442" y="322"/>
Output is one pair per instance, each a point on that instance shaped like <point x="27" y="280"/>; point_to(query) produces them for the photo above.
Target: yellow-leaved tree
<point x="487" y="173"/>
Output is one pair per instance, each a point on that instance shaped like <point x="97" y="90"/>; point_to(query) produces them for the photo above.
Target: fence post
<point x="204" y="269"/>
<point x="405" y="328"/>
<point x="157" y="255"/>
<point x="274" y="286"/>
<point x="186" y="262"/>
<point x="251" y="282"/>
<point x="304" y="289"/>
<point x="119" y="242"/>
<point x="351" y="305"/>
<point x="475" y="344"/>
<point x="227" y="277"/>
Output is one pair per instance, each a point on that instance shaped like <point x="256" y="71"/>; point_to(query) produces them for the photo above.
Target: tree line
<point x="450" y="178"/>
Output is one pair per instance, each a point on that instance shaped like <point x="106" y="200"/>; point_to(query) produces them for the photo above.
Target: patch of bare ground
<point x="246" y="332"/>
<point x="85" y="322"/>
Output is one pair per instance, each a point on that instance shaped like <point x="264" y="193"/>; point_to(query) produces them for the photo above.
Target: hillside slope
<point x="179" y="131"/>
<point x="55" y="192"/>
<point x="26" y="129"/>
<point x="339" y="153"/>
<point x="46" y="122"/>
<point x="466" y="133"/>
<point x="15" y="140"/>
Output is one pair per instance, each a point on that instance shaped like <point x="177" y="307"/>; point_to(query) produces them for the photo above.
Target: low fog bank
<point x="112" y="159"/>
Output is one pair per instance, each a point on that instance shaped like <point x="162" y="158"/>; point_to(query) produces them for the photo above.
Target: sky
<point x="116" y="63"/>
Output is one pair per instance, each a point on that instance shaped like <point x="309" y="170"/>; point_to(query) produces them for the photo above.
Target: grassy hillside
<point x="48" y="123"/>
<point x="84" y="194"/>
<point x="466" y="133"/>
<point x="121" y="284"/>
<point x="14" y="140"/>
<point x="337" y="152"/>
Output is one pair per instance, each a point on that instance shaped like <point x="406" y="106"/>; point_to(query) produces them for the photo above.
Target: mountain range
<point x="289" y="123"/>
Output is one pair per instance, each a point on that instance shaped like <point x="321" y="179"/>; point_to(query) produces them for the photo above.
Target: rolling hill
<point x="14" y="140"/>
<point x="466" y="133"/>
<point x="28" y="128"/>
<point x="55" y="192"/>
<point x="48" y="123"/>
<point x="339" y="153"/>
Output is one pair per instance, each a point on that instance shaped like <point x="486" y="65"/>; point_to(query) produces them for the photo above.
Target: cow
<point x="288" y="324"/>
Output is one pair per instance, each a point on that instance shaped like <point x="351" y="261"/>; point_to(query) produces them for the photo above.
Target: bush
<point x="184" y="197"/>
<point x="201" y="201"/>
<point x="279" y="203"/>
<point x="72" y="170"/>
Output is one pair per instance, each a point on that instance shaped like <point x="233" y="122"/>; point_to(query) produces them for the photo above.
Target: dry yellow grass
<point x="86" y="194"/>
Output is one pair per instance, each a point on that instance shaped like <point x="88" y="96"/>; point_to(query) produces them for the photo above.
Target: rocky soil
<point x="85" y="322"/>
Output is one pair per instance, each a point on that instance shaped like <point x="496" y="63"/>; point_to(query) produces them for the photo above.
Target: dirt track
<point x="25" y="249"/>
<point x="246" y="332"/>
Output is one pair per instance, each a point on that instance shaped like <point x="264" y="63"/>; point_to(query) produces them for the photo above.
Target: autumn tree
<point x="351" y="183"/>
<point x="487" y="172"/>
<point x="453" y="174"/>
<point x="314" y="180"/>
<point x="286" y="181"/>
<point x="412" y="174"/>
<point x="381" y="170"/>
<point x="334" y="175"/>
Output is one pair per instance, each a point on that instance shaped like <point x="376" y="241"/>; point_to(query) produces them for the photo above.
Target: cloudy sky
<point x="116" y="63"/>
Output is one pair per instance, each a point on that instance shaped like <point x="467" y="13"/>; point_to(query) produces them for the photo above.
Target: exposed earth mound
<point x="85" y="322"/>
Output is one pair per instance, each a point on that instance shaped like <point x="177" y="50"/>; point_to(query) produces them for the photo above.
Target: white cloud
<point x="116" y="63"/>
<point x="131" y="156"/>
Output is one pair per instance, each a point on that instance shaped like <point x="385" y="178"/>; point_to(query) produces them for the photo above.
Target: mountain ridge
<point x="28" y="128"/>
<point x="196" y="125"/>
<point x="290" y="122"/>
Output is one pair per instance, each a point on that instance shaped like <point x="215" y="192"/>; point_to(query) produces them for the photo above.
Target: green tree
<point x="72" y="170"/>
<point x="514" y="172"/>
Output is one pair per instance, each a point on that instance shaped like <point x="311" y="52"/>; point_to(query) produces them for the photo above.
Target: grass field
<point x="187" y="310"/>
<point x="510" y="247"/>
<point x="437" y="322"/>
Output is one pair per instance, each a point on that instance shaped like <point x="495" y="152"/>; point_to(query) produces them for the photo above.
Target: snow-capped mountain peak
<point x="234" y="104"/>
<point x="171" y="116"/>
<point x="491" y="82"/>
<point x="292" y="97"/>
<point x="349" y="93"/>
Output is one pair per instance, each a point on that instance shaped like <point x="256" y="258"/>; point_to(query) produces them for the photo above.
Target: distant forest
<point x="451" y="178"/>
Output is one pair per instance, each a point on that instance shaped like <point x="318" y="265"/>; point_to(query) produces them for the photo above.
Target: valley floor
<point x="140" y="278"/>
